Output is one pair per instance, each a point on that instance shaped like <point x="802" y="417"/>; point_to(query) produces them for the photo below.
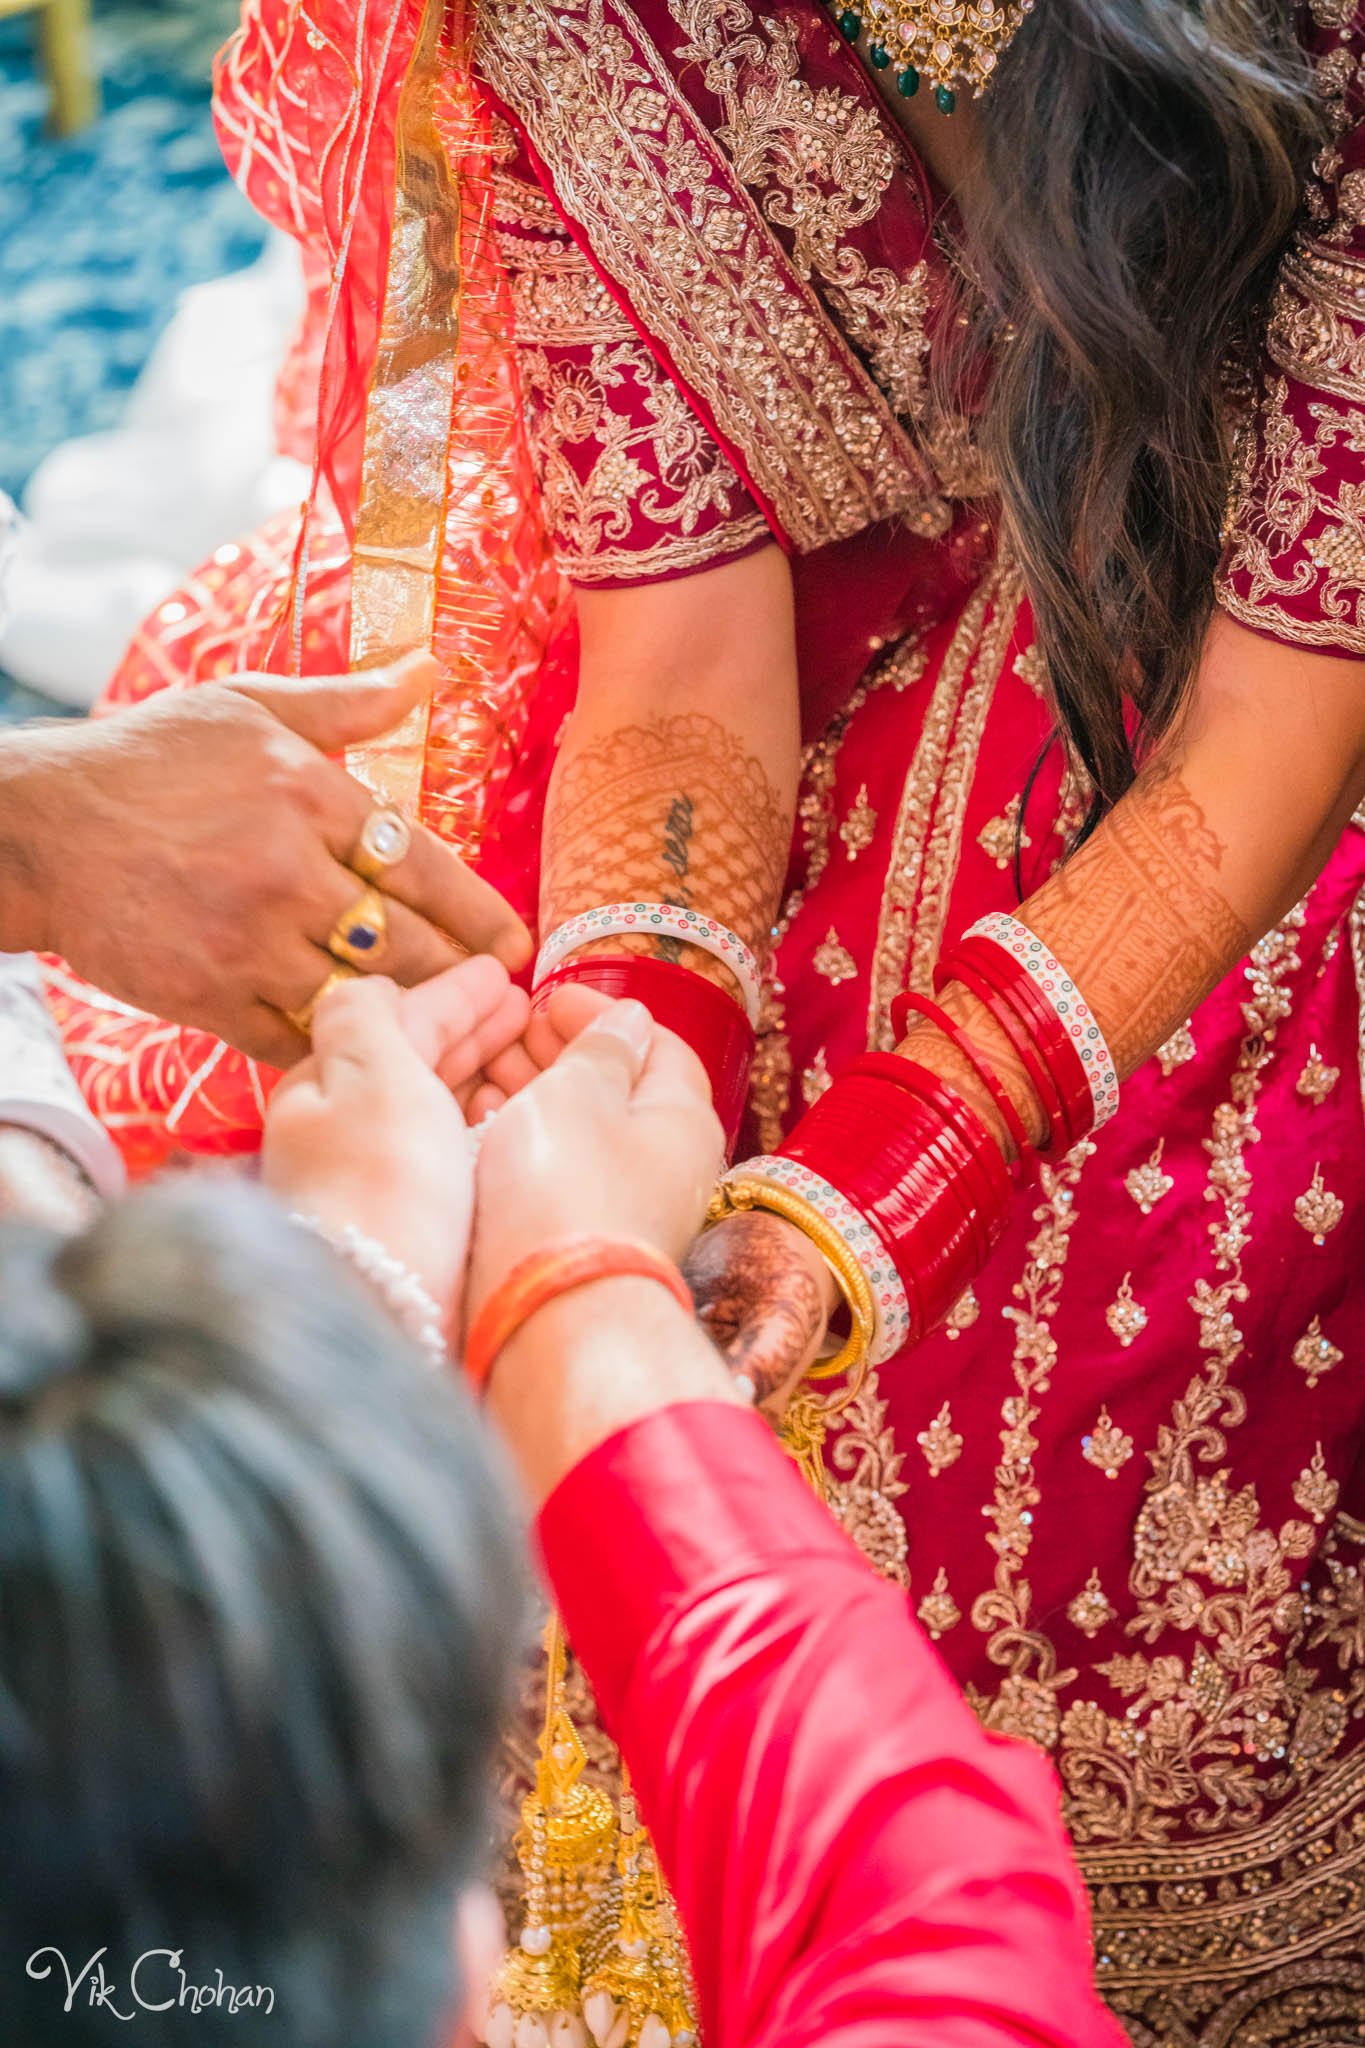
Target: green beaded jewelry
<point x="954" y="44"/>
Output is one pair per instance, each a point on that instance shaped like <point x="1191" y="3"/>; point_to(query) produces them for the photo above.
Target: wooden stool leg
<point x="64" y="31"/>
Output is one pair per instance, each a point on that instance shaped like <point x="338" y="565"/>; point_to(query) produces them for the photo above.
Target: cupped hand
<point x="190" y="854"/>
<point x="617" y="1137"/>
<point x="365" y="1132"/>
<point x="765" y="1296"/>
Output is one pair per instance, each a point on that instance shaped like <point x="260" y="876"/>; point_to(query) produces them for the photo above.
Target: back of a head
<point x="258" y="1596"/>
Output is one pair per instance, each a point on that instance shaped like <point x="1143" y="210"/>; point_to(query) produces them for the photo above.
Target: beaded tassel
<point x="954" y="45"/>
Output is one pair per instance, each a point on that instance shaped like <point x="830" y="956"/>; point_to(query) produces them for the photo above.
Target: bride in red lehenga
<point x="820" y="384"/>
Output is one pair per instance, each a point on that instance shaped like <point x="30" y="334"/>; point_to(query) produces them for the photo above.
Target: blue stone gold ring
<point x="361" y="933"/>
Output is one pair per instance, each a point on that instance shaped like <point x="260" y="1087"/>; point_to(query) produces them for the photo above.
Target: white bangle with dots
<point x="1063" y="997"/>
<point x="406" y="1297"/>
<point x="662" y="921"/>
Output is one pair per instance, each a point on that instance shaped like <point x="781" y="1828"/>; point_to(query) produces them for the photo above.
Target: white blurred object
<point x="116" y="519"/>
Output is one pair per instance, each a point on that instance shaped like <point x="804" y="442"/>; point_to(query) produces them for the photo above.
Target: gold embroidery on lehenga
<point x="1315" y="1353"/>
<point x="1092" y="1608"/>
<point x="927" y="845"/>
<point x="938" y="1611"/>
<point x="636" y="166"/>
<point x="1126" y="1317"/>
<point x="833" y="961"/>
<point x="1107" y="1447"/>
<point x="1026" y="1703"/>
<point x="1179" y="1048"/>
<point x="1317" y="1080"/>
<point x="859" y="826"/>
<point x="1318" y="1210"/>
<point x="816" y="1078"/>
<point x="940" y="1442"/>
<point x="1148" y="1184"/>
<point x="999" y="838"/>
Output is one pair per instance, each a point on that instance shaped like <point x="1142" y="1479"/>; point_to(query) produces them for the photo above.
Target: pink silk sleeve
<point x="1294" y="562"/>
<point x="856" y="1862"/>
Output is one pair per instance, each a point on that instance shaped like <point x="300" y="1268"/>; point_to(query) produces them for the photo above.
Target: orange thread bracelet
<point x="556" y="1269"/>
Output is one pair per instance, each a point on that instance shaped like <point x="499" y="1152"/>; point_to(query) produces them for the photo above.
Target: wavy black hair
<point x="1140" y="174"/>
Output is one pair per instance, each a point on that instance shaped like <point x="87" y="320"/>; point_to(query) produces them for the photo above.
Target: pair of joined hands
<point x="612" y="1132"/>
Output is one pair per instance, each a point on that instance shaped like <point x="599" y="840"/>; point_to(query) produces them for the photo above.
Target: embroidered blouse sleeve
<point x="635" y="488"/>
<point x="1294" y="562"/>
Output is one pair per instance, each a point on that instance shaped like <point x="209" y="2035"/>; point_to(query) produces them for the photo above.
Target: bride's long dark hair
<point x="1141" y="170"/>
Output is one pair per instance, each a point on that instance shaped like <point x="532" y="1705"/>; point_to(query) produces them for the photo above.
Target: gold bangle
<point x="839" y="1256"/>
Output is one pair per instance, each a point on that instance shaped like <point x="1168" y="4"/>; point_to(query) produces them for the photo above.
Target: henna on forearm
<point x="1139" y="918"/>
<point x="676" y="810"/>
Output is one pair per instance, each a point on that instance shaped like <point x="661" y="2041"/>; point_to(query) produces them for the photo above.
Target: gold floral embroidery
<point x="1107" y="1447"/>
<point x="654" y="199"/>
<point x="1315" y="1353"/>
<point x="819" y="164"/>
<point x="1179" y="1047"/>
<point x="863" y="1473"/>
<point x="1317" y="1079"/>
<point x="1000" y="836"/>
<point x="606" y="471"/>
<point x="1147" y="1184"/>
<point x="940" y="1443"/>
<point x="1293" y="534"/>
<point x="1026" y="1703"/>
<point x="927" y="844"/>
<point x="1314" y="1490"/>
<point x="1126" y="1318"/>
<point x="963" y="1313"/>
<point x="833" y="960"/>
<point x="1091" y="1608"/>
<point x="859" y="826"/>
<point x="1318" y="1210"/>
<point x="938" y="1610"/>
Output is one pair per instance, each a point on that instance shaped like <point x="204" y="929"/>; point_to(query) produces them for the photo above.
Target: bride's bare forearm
<point x="1216" y="840"/>
<point x="676" y="780"/>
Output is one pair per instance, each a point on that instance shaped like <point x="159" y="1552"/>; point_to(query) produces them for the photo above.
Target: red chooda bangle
<point x="700" y="1011"/>
<point x="1012" y="994"/>
<point x="935" y="1014"/>
<point x="918" y="1163"/>
<point x="557" y="1268"/>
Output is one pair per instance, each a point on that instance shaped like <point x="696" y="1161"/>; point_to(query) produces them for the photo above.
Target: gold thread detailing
<point x="1318" y="1210"/>
<point x="998" y="838"/>
<point x="708" y="277"/>
<point x="1126" y="1318"/>
<point x="815" y="1079"/>
<point x="1179" y="1048"/>
<point x="833" y="960"/>
<point x="1314" y="1490"/>
<point x="633" y="485"/>
<point x="1091" y="1609"/>
<point x="963" y="1313"/>
<point x="863" y="1482"/>
<point x="1026" y="1703"/>
<point x="859" y="826"/>
<point x="1030" y="668"/>
<point x="1107" y="1447"/>
<point x="927" y="841"/>
<point x="940" y="1442"/>
<point x="1295" y="535"/>
<point x="1315" y="1354"/>
<point x="938" y="1611"/>
<point x="1184" y="1749"/>
<point x="1357" y="923"/>
<point x="1148" y="1184"/>
<point x="1317" y="1079"/>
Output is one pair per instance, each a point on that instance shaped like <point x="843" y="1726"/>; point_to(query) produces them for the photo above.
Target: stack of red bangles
<point x="904" y="1168"/>
<point x="719" y="1029"/>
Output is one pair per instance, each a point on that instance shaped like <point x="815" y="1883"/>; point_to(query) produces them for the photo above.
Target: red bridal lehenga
<point x="1125" y="1486"/>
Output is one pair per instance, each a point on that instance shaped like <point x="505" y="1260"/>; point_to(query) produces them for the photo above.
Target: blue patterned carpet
<point x="99" y="234"/>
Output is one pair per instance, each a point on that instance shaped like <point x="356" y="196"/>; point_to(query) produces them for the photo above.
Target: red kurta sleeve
<point x="856" y="1862"/>
<point x="1294" y="565"/>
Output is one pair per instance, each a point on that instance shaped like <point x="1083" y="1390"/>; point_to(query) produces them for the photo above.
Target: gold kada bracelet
<point x="734" y="1196"/>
